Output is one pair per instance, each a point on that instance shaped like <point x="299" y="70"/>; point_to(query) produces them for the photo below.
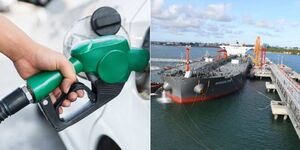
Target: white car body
<point x="5" y="4"/>
<point x="125" y="119"/>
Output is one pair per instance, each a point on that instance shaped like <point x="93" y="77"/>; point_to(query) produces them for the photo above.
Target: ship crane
<point x="257" y="51"/>
<point x="262" y="57"/>
<point x="260" y="54"/>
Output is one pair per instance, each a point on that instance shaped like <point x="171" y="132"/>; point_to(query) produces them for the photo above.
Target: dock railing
<point x="290" y="91"/>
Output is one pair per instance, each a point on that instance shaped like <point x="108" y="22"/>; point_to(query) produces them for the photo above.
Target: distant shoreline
<point x="284" y="51"/>
<point x="269" y="50"/>
<point x="209" y="46"/>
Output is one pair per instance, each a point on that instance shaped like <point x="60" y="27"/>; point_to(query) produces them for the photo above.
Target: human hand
<point x="30" y="58"/>
<point x="38" y="58"/>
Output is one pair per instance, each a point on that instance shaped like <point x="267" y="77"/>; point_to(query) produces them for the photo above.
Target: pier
<point x="270" y="87"/>
<point x="262" y="73"/>
<point x="279" y="108"/>
<point x="284" y="81"/>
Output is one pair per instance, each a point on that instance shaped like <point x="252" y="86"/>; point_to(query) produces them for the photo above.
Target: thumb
<point x="68" y="72"/>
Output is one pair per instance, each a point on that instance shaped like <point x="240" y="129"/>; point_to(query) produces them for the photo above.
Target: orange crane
<point x="260" y="54"/>
<point x="257" y="51"/>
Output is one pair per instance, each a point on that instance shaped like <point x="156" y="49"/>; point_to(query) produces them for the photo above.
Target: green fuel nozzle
<point x="108" y="57"/>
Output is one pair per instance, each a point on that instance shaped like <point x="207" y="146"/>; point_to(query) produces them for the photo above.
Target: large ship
<point x="208" y="78"/>
<point x="236" y="48"/>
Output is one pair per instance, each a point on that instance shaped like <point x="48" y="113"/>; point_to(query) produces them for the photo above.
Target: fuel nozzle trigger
<point x="100" y="94"/>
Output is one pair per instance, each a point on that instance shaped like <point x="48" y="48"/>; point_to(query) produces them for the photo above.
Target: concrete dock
<point x="270" y="87"/>
<point x="289" y="92"/>
<point x="295" y="76"/>
<point x="279" y="108"/>
<point x="262" y="73"/>
<point x="284" y="82"/>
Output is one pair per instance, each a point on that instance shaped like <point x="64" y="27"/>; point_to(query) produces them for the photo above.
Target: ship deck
<point x="214" y="69"/>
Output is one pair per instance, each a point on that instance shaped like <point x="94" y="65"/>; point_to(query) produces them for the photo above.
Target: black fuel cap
<point x="106" y="21"/>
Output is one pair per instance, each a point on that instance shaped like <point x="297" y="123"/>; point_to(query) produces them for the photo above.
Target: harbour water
<point x="242" y="120"/>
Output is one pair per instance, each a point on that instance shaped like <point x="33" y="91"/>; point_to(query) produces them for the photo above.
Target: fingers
<point x="80" y="93"/>
<point x="52" y="98"/>
<point x="60" y="110"/>
<point x="72" y="96"/>
<point x="68" y="72"/>
<point x="66" y="84"/>
<point x="66" y="103"/>
<point x="57" y="92"/>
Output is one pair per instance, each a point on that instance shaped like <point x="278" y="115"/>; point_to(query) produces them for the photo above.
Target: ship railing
<point x="289" y="87"/>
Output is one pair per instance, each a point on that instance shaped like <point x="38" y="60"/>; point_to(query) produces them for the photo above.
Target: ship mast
<point x="187" y="62"/>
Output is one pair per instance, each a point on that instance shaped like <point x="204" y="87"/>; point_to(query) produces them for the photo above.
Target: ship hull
<point x="182" y="89"/>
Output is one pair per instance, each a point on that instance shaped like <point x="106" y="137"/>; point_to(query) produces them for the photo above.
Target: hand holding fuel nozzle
<point x="107" y="59"/>
<point x="29" y="58"/>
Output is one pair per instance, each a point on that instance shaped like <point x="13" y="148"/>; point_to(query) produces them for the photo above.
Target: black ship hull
<point x="182" y="90"/>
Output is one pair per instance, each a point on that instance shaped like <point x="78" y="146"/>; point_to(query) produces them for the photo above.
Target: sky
<point x="277" y="22"/>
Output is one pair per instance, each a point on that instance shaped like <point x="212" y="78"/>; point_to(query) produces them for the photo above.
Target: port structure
<point x="289" y="92"/>
<point x="260" y="54"/>
<point x="284" y="82"/>
<point x="270" y="87"/>
<point x="262" y="57"/>
<point x="257" y="50"/>
<point x="262" y="72"/>
<point x="279" y="108"/>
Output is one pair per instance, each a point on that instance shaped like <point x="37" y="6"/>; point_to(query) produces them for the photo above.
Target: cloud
<point x="228" y="26"/>
<point x="294" y="24"/>
<point x="266" y="33"/>
<point x="281" y="21"/>
<point x="233" y="32"/>
<point x="218" y="12"/>
<point x="179" y="19"/>
<point x="258" y="23"/>
<point x="218" y="31"/>
<point x="276" y="26"/>
<point x="172" y="19"/>
<point x="156" y="6"/>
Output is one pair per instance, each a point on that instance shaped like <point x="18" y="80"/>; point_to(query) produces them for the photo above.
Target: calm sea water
<point x="242" y="120"/>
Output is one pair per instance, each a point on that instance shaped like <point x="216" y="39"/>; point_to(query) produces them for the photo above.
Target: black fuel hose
<point x="12" y="103"/>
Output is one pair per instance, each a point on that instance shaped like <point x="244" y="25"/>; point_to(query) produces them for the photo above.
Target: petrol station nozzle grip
<point x="45" y="82"/>
<point x="108" y="57"/>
